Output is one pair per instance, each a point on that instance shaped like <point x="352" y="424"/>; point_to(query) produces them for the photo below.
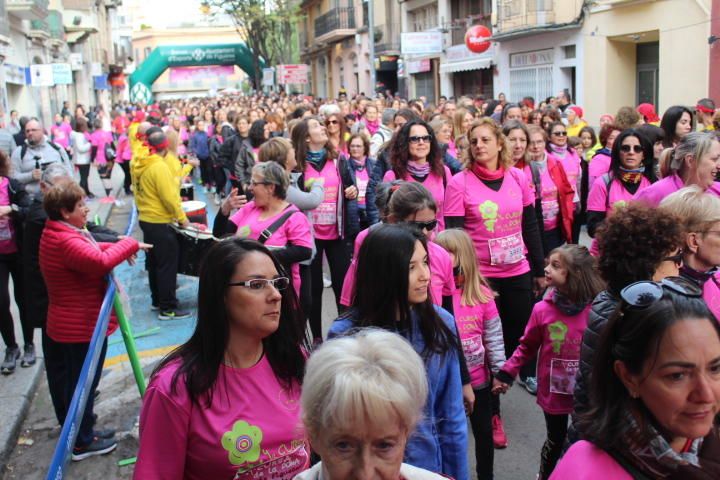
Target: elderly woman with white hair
<point x="362" y="397"/>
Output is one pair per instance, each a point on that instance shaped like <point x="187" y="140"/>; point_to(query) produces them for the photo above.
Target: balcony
<point x="55" y="26"/>
<point x="336" y="24"/>
<point x="520" y="17"/>
<point x="459" y="26"/>
<point x="28" y="9"/>
<point x="387" y="39"/>
<point x="39" y="30"/>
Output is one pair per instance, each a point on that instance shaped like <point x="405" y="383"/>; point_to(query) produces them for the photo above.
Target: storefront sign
<point x="100" y="82"/>
<point x="292" y="74"/>
<point x="76" y="61"/>
<point x="531" y="59"/>
<point x="15" y="74"/>
<point x="41" y="75"/>
<point x="418" y="66"/>
<point x="460" y="53"/>
<point x="62" y="73"/>
<point x="268" y="78"/>
<point x="421" y="43"/>
<point x="386" y="63"/>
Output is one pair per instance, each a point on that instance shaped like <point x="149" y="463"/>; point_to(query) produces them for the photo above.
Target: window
<point x="569" y="51"/>
<point x="539" y="5"/>
<point x="424" y="18"/>
<point x="531" y="82"/>
<point x="512" y="8"/>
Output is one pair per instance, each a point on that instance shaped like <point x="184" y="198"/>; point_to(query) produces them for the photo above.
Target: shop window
<point x="531" y="82"/>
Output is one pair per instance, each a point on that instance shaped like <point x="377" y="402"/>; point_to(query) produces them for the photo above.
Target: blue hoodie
<point x="439" y="443"/>
<point x="200" y="144"/>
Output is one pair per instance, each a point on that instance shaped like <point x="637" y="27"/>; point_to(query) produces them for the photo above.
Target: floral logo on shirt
<point x="619" y="204"/>
<point x="558" y="331"/>
<point x="244" y="231"/>
<point x="489" y="211"/>
<point x="242" y="443"/>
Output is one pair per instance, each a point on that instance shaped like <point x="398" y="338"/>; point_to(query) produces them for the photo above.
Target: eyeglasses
<point x="537" y="142"/>
<point x="645" y="293"/>
<point x="560" y="134"/>
<point x="429" y="226"/>
<point x="255" y="184"/>
<point x="418" y="139"/>
<point x="332" y="122"/>
<point x="257" y="284"/>
<point x="677" y="259"/>
<point x="627" y="148"/>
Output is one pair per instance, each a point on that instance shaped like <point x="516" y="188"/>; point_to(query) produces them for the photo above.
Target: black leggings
<point x="481" y="422"/>
<point x="12" y="265"/>
<point x="206" y="172"/>
<point x="84" y="174"/>
<point x="557" y="426"/>
<point x="220" y="179"/>
<point x="128" y="179"/>
<point x="338" y="256"/>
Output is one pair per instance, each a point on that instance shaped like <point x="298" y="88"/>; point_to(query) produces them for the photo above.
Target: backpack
<point x="110" y="151"/>
<point x="23" y="149"/>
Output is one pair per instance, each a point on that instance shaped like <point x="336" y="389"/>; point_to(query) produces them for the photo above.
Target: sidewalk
<point x="17" y="390"/>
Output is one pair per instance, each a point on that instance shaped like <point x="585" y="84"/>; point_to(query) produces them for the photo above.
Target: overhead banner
<point x="62" y="73"/>
<point x="189" y="74"/>
<point x="292" y="74"/>
<point x="76" y="61"/>
<point x="268" y="78"/>
<point x="421" y="43"/>
<point x="15" y="74"/>
<point x="41" y="75"/>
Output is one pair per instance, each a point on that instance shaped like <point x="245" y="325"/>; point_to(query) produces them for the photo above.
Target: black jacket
<point x="21" y="201"/>
<point x="36" y="296"/>
<point x="601" y="310"/>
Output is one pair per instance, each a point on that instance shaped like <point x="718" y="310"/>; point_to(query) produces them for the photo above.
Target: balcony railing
<point x="28" y="9"/>
<point x="39" y="29"/>
<point x="55" y="25"/>
<point x="459" y="26"/>
<point x="387" y="38"/>
<point x="335" y="19"/>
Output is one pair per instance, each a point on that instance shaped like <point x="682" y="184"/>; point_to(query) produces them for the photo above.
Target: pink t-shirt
<point x="598" y="166"/>
<point x="658" y="191"/>
<point x="549" y="197"/>
<point x="124" y="150"/>
<point x="556" y="338"/>
<point x="98" y="139"/>
<point x="435" y="185"/>
<point x="598" y="200"/>
<point x="252" y="430"/>
<point x="571" y="164"/>
<point x="362" y="178"/>
<point x="295" y="231"/>
<point x="711" y="295"/>
<point x="470" y="322"/>
<point x="61" y="134"/>
<point x="7" y="229"/>
<point x="493" y="220"/>
<point x="585" y="461"/>
<point x="442" y="282"/>
<point x="324" y="217"/>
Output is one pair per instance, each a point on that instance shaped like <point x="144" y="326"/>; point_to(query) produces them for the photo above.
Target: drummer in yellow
<point x="135" y="140"/>
<point x="157" y="197"/>
<point x="179" y="169"/>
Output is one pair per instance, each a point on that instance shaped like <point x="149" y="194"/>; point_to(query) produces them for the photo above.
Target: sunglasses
<point x="645" y="293"/>
<point x="429" y="226"/>
<point x="627" y="148"/>
<point x="560" y="134"/>
<point x="418" y="139"/>
<point x="677" y="259"/>
<point x="280" y="283"/>
<point x="332" y="122"/>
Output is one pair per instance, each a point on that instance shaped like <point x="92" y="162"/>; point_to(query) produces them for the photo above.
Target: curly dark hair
<point x="633" y="241"/>
<point x="400" y="151"/>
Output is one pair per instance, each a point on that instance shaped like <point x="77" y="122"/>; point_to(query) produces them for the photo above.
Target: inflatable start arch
<point x="162" y="58"/>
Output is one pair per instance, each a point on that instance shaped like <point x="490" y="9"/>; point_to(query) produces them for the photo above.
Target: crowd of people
<point x="452" y="235"/>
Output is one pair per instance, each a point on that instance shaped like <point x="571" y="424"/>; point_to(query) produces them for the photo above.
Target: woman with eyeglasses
<point x="635" y="243"/>
<point x="631" y="171"/>
<point x="495" y="204"/>
<point x="553" y="193"/>
<point x="701" y="250"/>
<point x="655" y="390"/>
<point x="393" y="282"/>
<point x="226" y="403"/>
<point x="361" y="167"/>
<point x="415" y="157"/>
<point x="268" y="218"/>
<point x="338" y="132"/>
<point x="558" y="148"/>
<point x="694" y="161"/>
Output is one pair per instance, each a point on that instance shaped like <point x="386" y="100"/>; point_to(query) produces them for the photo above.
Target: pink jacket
<point x="585" y="461"/>
<point x="74" y="270"/>
<point x="556" y="338"/>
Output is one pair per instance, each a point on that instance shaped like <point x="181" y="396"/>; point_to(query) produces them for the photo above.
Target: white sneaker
<point x="327" y="283"/>
<point x="218" y="200"/>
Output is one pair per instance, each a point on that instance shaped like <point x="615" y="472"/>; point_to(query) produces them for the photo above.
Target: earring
<point x="634" y="395"/>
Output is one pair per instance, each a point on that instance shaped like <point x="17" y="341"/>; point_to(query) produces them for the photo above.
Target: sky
<point x="165" y="13"/>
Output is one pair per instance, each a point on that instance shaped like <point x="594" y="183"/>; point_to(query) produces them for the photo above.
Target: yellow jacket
<point x="574" y="130"/>
<point x="179" y="170"/>
<point x="157" y="194"/>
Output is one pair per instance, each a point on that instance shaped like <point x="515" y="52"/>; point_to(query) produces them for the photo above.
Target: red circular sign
<point x="477" y="38"/>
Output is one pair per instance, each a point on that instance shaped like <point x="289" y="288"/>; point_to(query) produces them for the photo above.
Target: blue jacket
<point x="363" y="213"/>
<point x="200" y="144"/>
<point x="440" y="442"/>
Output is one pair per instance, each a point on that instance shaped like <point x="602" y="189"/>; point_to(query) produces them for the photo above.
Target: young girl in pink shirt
<point x="554" y="333"/>
<point x="480" y="333"/>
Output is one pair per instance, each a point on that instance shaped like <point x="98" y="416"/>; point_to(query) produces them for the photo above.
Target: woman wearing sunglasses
<point x="655" y="390"/>
<point x="695" y="160"/>
<point x="415" y="156"/>
<point x="631" y="171"/>
<point x="226" y="403"/>
<point x="392" y="293"/>
<point x="338" y="132"/>
<point x="701" y="251"/>
<point x="559" y="149"/>
<point x="636" y="243"/>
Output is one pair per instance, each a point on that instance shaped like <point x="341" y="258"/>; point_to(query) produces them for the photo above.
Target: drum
<point x="193" y="245"/>
<point x="196" y="211"/>
<point x="187" y="191"/>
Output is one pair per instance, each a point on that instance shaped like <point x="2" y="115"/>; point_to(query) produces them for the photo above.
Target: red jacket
<point x="74" y="270"/>
<point x="566" y="195"/>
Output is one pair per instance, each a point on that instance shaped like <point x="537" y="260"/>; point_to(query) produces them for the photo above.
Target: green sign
<point x="164" y="57"/>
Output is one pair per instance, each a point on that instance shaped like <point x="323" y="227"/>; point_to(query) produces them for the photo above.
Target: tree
<point x="266" y="26"/>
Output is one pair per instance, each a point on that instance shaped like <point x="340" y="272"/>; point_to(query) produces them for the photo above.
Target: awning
<point x="474" y="64"/>
<point x="74" y="37"/>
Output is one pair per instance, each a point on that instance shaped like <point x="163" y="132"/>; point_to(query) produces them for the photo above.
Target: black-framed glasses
<point x="560" y="134"/>
<point x="255" y="184"/>
<point x="677" y="259"/>
<point x="257" y="284"/>
<point x="646" y="292"/>
<point x="627" y="148"/>
<point x="429" y="226"/>
<point x="332" y="122"/>
<point x="420" y="138"/>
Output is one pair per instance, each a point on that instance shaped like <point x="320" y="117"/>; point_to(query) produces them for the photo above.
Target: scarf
<point x="559" y="151"/>
<point x="417" y="169"/>
<point x="696" y="276"/>
<point x="655" y="458"/>
<point x="372" y="126"/>
<point x="84" y="232"/>
<point x="485" y="174"/>
<point x="631" y="176"/>
<point x="565" y="305"/>
<point x="358" y="163"/>
<point x="317" y="159"/>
